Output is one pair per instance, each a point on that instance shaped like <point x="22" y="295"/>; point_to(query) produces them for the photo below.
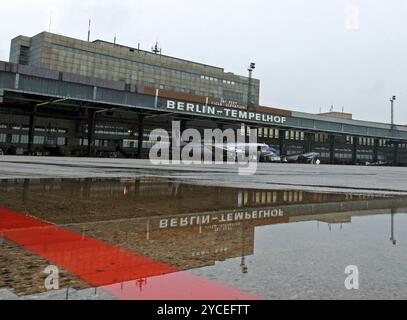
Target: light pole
<point x="249" y="92"/>
<point x="392" y="100"/>
<point x="243" y="264"/>
<point x="393" y="238"/>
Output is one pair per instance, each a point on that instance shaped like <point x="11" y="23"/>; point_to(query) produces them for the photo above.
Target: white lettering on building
<point x="226" y="112"/>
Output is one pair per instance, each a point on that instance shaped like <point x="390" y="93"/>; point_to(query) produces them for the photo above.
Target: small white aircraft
<point x="239" y="151"/>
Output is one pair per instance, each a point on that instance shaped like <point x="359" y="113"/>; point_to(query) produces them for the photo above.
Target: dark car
<point x="312" y="158"/>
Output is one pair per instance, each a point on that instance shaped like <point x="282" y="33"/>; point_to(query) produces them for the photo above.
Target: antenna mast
<point x="50" y="22"/>
<point x="90" y="23"/>
<point x="156" y="49"/>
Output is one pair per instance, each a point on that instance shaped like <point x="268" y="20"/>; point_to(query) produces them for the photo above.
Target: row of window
<point x="295" y="135"/>
<point x="133" y="144"/>
<point x="227" y="94"/>
<point x="37" y="129"/>
<point x="112" y="130"/>
<point x="268" y="133"/>
<point x="98" y="143"/>
<point x="189" y="91"/>
<point x="146" y="67"/>
<point x="24" y="139"/>
<point x="232" y="83"/>
<point x="124" y="132"/>
<point x="363" y="141"/>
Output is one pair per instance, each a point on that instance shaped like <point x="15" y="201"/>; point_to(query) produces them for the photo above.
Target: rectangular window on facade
<point x="3" y="137"/>
<point x="39" y="140"/>
<point x="242" y="130"/>
<point x="83" y="142"/>
<point x="61" y="141"/>
<point x="102" y="143"/>
<point x="15" y="138"/>
<point x="24" y="139"/>
<point x="297" y="135"/>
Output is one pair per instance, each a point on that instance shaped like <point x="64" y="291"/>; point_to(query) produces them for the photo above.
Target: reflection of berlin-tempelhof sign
<point x="220" y="218"/>
<point x="224" y="112"/>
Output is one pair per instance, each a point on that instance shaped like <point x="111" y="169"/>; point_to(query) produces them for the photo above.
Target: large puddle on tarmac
<point x="160" y="239"/>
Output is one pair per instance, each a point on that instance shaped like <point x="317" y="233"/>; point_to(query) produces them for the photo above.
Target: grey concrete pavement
<point x="324" y="178"/>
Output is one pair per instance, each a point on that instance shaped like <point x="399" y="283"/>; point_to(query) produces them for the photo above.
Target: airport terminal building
<point x="66" y="97"/>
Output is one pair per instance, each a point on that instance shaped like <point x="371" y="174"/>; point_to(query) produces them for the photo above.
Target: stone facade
<point x="101" y="59"/>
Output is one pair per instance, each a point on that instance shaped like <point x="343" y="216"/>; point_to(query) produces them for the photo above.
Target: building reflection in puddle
<point x="152" y="232"/>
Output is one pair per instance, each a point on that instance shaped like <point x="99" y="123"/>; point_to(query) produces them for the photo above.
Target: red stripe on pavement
<point x="177" y="286"/>
<point x="103" y="265"/>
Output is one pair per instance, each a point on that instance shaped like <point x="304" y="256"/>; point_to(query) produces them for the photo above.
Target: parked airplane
<point x="258" y="151"/>
<point x="262" y="152"/>
<point x="237" y="151"/>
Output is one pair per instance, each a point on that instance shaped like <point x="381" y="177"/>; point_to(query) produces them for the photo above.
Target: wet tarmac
<point x="153" y="238"/>
<point x="301" y="177"/>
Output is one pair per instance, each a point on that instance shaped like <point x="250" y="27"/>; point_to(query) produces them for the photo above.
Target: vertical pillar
<point x="31" y="131"/>
<point x="332" y="149"/>
<point x="283" y="144"/>
<point x="183" y="126"/>
<point x="396" y="156"/>
<point x="91" y="132"/>
<point x="246" y="135"/>
<point x="376" y="151"/>
<point x="355" y="150"/>
<point x="140" y="152"/>
<point x="309" y="142"/>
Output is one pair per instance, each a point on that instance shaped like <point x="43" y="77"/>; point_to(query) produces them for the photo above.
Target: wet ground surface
<point x="157" y="238"/>
<point x="324" y="178"/>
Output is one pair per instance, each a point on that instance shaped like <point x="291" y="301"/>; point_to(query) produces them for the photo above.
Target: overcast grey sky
<point x="310" y="54"/>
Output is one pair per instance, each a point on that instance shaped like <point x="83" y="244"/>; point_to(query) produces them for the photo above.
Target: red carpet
<point x="103" y="265"/>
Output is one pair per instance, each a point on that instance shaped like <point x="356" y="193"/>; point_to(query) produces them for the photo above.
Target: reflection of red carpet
<point x="103" y="265"/>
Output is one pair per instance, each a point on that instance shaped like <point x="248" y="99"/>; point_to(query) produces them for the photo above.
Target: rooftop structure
<point x="110" y="61"/>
